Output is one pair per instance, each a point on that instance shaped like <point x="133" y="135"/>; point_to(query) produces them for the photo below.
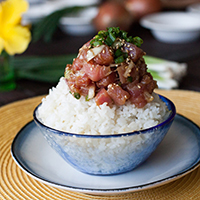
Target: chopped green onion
<point x="116" y="30"/>
<point x="120" y="59"/>
<point x="130" y="39"/>
<point x="125" y="55"/>
<point x="103" y="33"/>
<point x="109" y="37"/>
<point x="120" y="84"/>
<point x="120" y="56"/>
<point x="96" y="43"/>
<point x="86" y="98"/>
<point x="118" y="53"/>
<point x="137" y="41"/>
<point x="108" y="41"/>
<point x="112" y="37"/>
<point x="77" y="95"/>
<point x="129" y="79"/>
<point x="124" y="34"/>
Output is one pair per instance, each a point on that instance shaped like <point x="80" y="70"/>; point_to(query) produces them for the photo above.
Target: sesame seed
<point x="110" y="86"/>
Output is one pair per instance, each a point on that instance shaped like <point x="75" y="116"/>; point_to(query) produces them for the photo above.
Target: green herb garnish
<point x="77" y="95"/>
<point x="120" y="59"/>
<point x="86" y="98"/>
<point x="109" y="37"/>
<point x="137" y="41"/>
<point x="130" y="79"/>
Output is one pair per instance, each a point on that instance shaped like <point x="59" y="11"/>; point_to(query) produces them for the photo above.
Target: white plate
<point x="177" y="155"/>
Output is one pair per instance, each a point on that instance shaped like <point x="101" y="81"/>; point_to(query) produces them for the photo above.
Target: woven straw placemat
<point x="15" y="184"/>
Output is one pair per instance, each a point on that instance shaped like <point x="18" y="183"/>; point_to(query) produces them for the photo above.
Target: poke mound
<point x="111" y="69"/>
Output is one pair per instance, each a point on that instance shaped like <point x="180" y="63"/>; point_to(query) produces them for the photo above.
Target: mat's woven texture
<point x="15" y="184"/>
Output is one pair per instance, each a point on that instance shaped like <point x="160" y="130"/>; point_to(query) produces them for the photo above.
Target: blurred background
<point x="60" y="27"/>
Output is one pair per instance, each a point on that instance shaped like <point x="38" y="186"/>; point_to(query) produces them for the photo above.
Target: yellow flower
<point x="14" y="38"/>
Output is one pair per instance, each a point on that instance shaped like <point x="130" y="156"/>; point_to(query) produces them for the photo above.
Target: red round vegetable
<point x="139" y="8"/>
<point x="112" y="14"/>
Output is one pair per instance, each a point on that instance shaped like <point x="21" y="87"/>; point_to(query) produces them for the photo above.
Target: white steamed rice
<point x="60" y="110"/>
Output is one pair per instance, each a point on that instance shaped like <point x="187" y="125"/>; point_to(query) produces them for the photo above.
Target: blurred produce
<point x="167" y="73"/>
<point x="112" y="14"/>
<point x="140" y="8"/>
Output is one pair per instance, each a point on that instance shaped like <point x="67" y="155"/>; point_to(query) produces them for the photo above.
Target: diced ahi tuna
<point x="105" y="57"/>
<point x="103" y="97"/>
<point x="107" y="80"/>
<point x="118" y="95"/>
<point x="133" y="51"/>
<point x="96" y="72"/>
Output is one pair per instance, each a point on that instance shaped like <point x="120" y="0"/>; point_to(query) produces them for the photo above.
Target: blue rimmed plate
<point x="176" y="156"/>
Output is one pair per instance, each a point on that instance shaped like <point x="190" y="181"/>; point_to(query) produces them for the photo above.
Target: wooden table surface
<point x="64" y="44"/>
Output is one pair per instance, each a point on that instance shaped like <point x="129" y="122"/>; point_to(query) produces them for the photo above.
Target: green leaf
<point x="51" y="76"/>
<point x="47" y="69"/>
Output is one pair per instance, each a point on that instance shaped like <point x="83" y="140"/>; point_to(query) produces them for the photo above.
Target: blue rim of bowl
<point x="168" y="120"/>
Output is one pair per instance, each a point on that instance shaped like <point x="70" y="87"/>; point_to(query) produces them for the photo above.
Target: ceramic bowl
<point x="173" y="27"/>
<point x="194" y="8"/>
<point x="79" y="24"/>
<point x="107" y="154"/>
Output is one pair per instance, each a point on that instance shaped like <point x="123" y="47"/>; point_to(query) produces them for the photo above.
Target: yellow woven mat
<point x="15" y="184"/>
